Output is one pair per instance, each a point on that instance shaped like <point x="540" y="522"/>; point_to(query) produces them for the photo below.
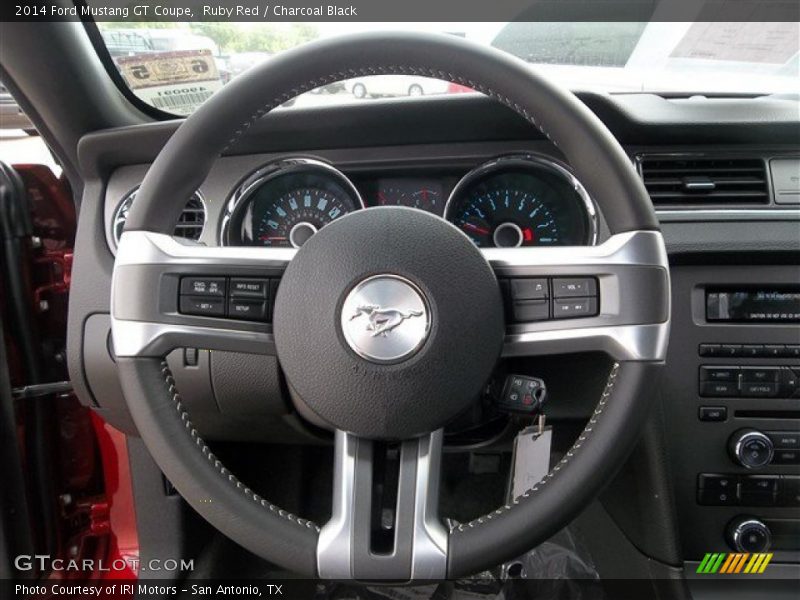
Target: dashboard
<point x="730" y="220"/>
<point x="512" y="200"/>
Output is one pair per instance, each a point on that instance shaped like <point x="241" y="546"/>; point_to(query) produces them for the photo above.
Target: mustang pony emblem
<point x="383" y="320"/>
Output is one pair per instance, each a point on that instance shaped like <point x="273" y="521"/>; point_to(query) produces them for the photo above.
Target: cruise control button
<point x="570" y="308"/>
<point x="718" y="389"/>
<point x="249" y="310"/>
<point x="203" y="286"/>
<point x="574" y="287"/>
<point x="529" y="289"/>
<point x="249" y="288"/>
<point x="201" y="306"/>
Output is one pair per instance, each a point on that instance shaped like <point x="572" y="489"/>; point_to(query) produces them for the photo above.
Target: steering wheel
<point x="405" y="383"/>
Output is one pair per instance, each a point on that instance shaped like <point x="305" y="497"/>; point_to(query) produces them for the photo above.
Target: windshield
<point x="176" y="66"/>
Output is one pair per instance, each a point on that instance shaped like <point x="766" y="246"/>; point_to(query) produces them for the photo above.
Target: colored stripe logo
<point x="731" y="564"/>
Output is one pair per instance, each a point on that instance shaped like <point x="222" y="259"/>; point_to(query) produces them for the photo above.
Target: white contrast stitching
<point x="455" y="528"/>
<point x="184" y="416"/>
<point x="380" y="70"/>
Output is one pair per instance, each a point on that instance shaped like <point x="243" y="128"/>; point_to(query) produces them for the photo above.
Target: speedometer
<point x="522" y="201"/>
<point x="284" y="204"/>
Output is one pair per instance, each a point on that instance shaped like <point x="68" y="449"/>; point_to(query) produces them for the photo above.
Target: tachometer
<point x="284" y="204"/>
<point x="297" y="215"/>
<point x="522" y="201"/>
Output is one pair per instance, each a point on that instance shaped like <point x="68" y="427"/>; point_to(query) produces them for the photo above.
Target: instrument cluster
<point x="511" y="201"/>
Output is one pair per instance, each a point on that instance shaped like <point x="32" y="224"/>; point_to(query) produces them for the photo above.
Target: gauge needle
<point x="476" y="229"/>
<point x="265" y="238"/>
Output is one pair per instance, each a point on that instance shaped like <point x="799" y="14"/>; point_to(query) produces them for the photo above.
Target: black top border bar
<point x="387" y="11"/>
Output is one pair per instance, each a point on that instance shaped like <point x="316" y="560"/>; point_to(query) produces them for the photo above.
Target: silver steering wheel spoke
<point x="631" y="270"/>
<point x="417" y="544"/>
<point x="631" y="305"/>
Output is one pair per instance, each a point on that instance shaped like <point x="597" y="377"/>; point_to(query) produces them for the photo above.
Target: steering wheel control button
<point x="572" y="308"/>
<point x="203" y="286"/>
<point x="713" y="414"/>
<point x="530" y="300"/>
<point x="249" y="288"/>
<point x="247" y="299"/>
<point x="529" y="289"/>
<point x="526" y="311"/>
<point x="571" y="288"/>
<point x="751" y="448"/>
<point x="385" y="319"/>
<point x="248" y="310"/>
<point x="202" y="306"/>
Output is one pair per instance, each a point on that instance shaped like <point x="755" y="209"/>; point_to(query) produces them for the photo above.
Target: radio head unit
<point x="753" y="305"/>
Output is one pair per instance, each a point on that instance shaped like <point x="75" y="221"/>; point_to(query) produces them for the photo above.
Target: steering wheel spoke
<point x="156" y="308"/>
<point x="374" y="533"/>
<point x="626" y="299"/>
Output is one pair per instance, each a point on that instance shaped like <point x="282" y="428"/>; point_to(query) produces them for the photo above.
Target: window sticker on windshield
<point x="177" y="82"/>
<point x="740" y="42"/>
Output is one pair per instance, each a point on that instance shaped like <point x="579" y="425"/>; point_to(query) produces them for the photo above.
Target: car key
<point x="522" y="395"/>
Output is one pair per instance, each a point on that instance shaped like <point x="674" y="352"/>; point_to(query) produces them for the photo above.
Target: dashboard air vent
<point x="704" y="180"/>
<point x="189" y="226"/>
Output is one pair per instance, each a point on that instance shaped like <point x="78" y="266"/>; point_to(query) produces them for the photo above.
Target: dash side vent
<point x="696" y="180"/>
<point x="190" y="224"/>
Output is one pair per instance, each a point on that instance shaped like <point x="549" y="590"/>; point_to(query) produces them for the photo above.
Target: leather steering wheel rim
<point x="598" y="161"/>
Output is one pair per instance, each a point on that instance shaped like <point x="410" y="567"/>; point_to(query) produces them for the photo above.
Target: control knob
<point x="749" y="534"/>
<point x="750" y="448"/>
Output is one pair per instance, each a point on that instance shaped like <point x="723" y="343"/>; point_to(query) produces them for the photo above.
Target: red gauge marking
<point x="527" y="234"/>
<point x="382" y="199"/>
<point x="476" y="229"/>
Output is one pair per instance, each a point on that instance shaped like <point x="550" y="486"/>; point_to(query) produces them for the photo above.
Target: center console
<point x="731" y="398"/>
